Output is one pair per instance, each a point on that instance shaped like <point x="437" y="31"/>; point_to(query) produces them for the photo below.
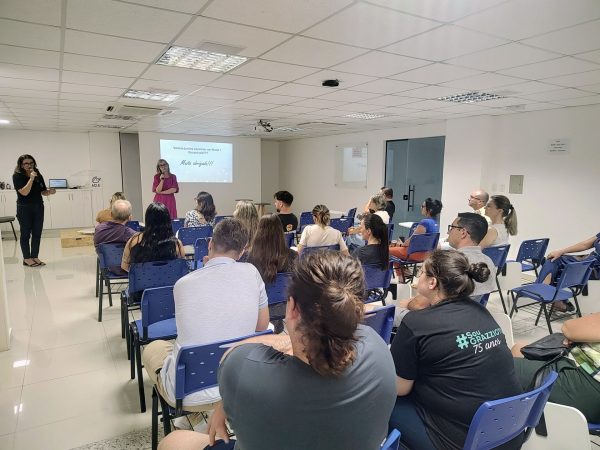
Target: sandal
<point x="39" y="262"/>
<point x="30" y="265"/>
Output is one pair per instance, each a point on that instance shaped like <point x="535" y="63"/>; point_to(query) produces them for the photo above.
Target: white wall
<point x="246" y="172"/>
<point x="269" y="156"/>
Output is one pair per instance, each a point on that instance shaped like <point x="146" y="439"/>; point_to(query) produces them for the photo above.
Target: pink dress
<point x="167" y="199"/>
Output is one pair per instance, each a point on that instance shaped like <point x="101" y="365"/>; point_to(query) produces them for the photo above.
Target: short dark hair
<point x="432" y="206"/>
<point x="475" y="224"/>
<point x="229" y="235"/>
<point x="285" y="197"/>
<point x="387" y="192"/>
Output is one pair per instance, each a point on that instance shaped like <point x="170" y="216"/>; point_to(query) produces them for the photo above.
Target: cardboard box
<point x="74" y="238"/>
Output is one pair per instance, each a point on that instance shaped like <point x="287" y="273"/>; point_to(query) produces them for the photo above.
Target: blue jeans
<point x="406" y="419"/>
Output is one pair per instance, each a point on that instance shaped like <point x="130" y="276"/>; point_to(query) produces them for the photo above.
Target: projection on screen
<point x="198" y="162"/>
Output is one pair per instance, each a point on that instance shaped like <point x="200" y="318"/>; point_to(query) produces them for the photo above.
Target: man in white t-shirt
<point x="225" y="299"/>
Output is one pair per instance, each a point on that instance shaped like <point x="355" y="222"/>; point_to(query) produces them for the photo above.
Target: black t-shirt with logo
<point x="37" y="187"/>
<point x="288" y="221"/>
<point x="457" y="355"/>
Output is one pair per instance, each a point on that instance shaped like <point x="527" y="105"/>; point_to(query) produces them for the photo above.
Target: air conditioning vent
<point x="119" y="117"/>
<point x="317" y="125"/>
<point x="137" y="112"/>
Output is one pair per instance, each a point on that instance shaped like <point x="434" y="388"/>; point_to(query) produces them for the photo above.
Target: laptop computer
<point x="58" y="183"/>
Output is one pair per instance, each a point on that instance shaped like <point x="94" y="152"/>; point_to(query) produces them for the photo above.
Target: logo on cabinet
<point x="96" y="182"/>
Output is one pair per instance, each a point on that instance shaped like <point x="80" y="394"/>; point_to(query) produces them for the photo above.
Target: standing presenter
<point x="165" y="187"/>
<point x="30" y="186"/>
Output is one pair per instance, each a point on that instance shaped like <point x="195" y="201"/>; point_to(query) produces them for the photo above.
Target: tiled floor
<point x="65" y="380"/>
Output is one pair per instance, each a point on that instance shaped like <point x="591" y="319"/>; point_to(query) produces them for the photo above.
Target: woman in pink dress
<point x="165" y="186"/>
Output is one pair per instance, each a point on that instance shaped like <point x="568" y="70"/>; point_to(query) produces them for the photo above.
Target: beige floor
<point x="65" y="380"/>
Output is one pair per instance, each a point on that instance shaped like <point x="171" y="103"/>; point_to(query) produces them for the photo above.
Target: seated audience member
<point x="504" y="221"/>
<point x="246" y="213"/>
<point x="390" y="207"/>
<point x="376" y="205"/>
<point x="283" y="203"/>
<point x="430" y="208"/>
<point x="320" y="233"/>
<point x="443" y="376"/>
<point x="223" y="300"/>
<point x="105" y="214"/>
<point x="560" y="257"/>
<point x="478" y="200"/>
<point x="203" y="214"/>
<point x="375" y="232"/>
<point x="578" y="383"/>
<point x="156" y="243"/>
<point x="329" y="385"/>
<point x="115" y="231"/>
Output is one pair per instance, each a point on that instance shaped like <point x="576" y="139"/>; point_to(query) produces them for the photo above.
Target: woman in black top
<point x="375" y="232"/>
<point x="30" y="186"/>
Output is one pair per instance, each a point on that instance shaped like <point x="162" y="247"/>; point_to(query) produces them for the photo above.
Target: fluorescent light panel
<point x="192" y="58"/>
<point x="147" y="95"/>
<point x="470" y="97"/>
<point x="364" y="116"/>
<point x="4" y="122"/>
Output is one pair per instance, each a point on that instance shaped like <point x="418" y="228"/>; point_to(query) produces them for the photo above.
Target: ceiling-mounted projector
<point x="263" y="125"/>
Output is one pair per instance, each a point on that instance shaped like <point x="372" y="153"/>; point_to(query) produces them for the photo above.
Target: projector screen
<point x="198" y="162"/>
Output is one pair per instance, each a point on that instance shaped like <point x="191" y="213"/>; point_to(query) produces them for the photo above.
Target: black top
<point x="457" y="355"/>
<point x="390" y="207"/>
<point x="35" y="194"/>
<point x="288" y="221"/>
<point x="368" y="254"/>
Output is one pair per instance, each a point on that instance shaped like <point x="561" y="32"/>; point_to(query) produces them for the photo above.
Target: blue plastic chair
<point x="499" y="421"/>
<point x="594" y="428"/>
<point x="307" y="250"/>
<point x="157" y="322"/>
<point x="498" y="255"/>
<point x="482" y="299"/>
<point x="219" y="218"/>
<point x="134" y="225"/>
<point x="341" y="225"/>
<point x="306" y="218"/>
<point x="569" y="284"/>
<point x="277" y="293"/>
<point x="350" y="215"/>
<point x="289" y="238"/>
<point x="200" y="251"/>
<point x="196" y="370"/>
<point x="382" y="321"/>
<point x="390" y="231"/>
<point x="392" y="442"/>
<point x="531" y="254"/>
<point x="189" y="235"/>
<point x="377" y="282"/>
<point x="109" y="256"/>
<point x="425" y="242"/>
<point x="177" y="224"/>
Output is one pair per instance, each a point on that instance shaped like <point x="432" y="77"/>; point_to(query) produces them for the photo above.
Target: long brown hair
<point x="509" y="215"/>
<point x="158" y="166"/>
<point x="268" y="250"/>
<point x="22" y="158"/>
<point x="245" y="212"/>
<point x="328" y="288"/>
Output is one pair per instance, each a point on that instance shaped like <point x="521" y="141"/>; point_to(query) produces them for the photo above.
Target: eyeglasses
<point x="474" y="198"/>
<point x="163" y="165"/>
<point x="454" y="226"/>
<point x="27" y="163"/>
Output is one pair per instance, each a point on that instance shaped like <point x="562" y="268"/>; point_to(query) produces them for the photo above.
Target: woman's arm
<point x="157" y="184"/>
<point x="403" y="387"/>
<point x="48" y="192"/>
<point x="167" y="191"/>
<point x="490" y="237"/>
<point x="419" y="229"/>
<point x="25" y="190"/>
<point x="583" y="329"/>
<point x="579" y="247"/>
<point x="180" y="249"/>
<point x="125" y="261"/>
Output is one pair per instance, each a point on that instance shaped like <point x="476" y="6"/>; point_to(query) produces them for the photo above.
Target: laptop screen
<point x="57" y="183"/>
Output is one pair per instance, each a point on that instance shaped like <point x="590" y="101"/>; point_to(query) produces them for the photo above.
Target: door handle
<point x="411" y="198"/>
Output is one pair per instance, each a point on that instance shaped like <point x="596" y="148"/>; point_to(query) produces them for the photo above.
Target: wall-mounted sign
<point x="559" y="146"/>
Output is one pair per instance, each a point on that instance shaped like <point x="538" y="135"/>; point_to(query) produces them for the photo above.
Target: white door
<point x="61" y="209"/>
<point x="82" y="209"/>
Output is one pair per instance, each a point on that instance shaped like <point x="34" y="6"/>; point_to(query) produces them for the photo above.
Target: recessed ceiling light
<point x="364" y="116"/>
<point x="192" y="58"/>
<point x="470" y="97"/>
<point x="147" y="95"/>
<point x="4" y="122"/>
<point x="288" y="129"/>
<point x="107" y="125"/>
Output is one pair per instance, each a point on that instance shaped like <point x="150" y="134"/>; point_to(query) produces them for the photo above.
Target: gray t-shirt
<point x="275" y="401"/>
<point x="475" y="255"/>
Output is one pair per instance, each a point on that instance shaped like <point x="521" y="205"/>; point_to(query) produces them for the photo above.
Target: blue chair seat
<point x="165" y="330"/>
<point x="543" y="292"/>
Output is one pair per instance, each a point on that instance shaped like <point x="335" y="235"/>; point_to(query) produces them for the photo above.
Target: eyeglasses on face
<point x="474" y="198"/>
<point x="163" y="165"/>
<point x="27" y="163"/>
<point x="454" y="226"/>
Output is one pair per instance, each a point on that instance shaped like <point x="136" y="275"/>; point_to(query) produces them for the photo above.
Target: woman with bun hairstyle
<point x="450" y="357"/>
<point x="320" y="233"/>
<point x="504" y="221"/>
<point x="165" y="187"/>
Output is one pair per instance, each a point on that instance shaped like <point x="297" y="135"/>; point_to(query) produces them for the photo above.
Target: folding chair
<point x="531" y="254"/>
<point x="382" y="321"/>
<point x="499" y="421"/>
<point x="134" y="225"/>
<point x="498" y="255"/>
<point x="341" y="225"/>
<point x="219" y="218"/>
<point x="177" y="224"/>
<point x="377" y="282"/>
<point x="307" y="250"/>
<point x="419" y="243"/>
<point x="392" y="442"/>
<point x="306" y="218"/>
<point x="157" y="322"/>
<point x="189" y="235"/>
<point x="289" y="238"/>
<point x="200" y="251"/>
<point x="196" y="370"/>
<point x="569" y="284"/>
<point x="390" y="231"/>
<point x="277" y="295"/>
<point x="350" y="215"/>
<point x="109" y="256"/>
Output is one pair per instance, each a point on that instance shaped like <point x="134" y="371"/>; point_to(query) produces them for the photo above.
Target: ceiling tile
<point x="271" y="98"/>
<point x="578" y="39"/>
<point x="165" y="86"/>
<point x="28" y="73"/>
<point x="124" y="20"/>
<point x="352" y="26"/>
<point x="559" y="94"/>
<point x="444" y="10"/>
<point x="552" y="68"/>
<point x="282" y="15"/>
<point x="29" y="84"/>
<point x="529" y="87"/>
<point x="576" y="79"/>
<point x="272" y="70"/>
<point x="15" y="100"/>
<point x="178" y="74"/>
<point x="92" y="90"/>
<point x="95" y="80"/>
<point x="185" y="6"/>
<point x="386" y="86"/>
<point x="443" y="43"/>
<point x="436" y="73"/>
<point x="581" y="101"/>
<point x="502" y="57"/>
<point x="318" y="103"/>
<point x="463" y="107"/>
<point x="391" y="100"/>
<point x="380" y="64"/>
<point x="300" y="90"/>
<point x="346" y="79"/>
<point x="230" y="94"/>
<point x="485" y="81"/>
<point x="244" y="83"/>
<point x="93" y="64"/>
<point x="590" y="56"/>
<point x="292" y="109"/>
<point x="87" y="97"/>
<point x="253" y="41"/>
<point x="11" y="91"/>
<point x="312" y="52"/>
<point x="348" y="96"/>
<point x="591" y="88"/>
<point x="429" y="104"/>
<point x="29" y="56"/>
<point x="39" y="11"/>
<point x="520" y="19"/>
<point x="432" y="92"/>
<point x="29" y="35"/>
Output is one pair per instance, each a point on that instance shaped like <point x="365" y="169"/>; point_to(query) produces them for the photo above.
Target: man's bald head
<point x="121" y="211"/>
<point x="478" y="199"/>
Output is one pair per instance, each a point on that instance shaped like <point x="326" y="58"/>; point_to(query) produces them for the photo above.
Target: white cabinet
<point x="70" y="209"/>
<point x="8" y="207"/>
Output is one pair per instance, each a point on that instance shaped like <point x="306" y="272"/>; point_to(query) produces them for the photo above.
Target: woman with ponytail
<point x="450" y="357"/>
<point x="321" y="234"/>
<point x="504" y="221"/>
<point x="375" y="232"/>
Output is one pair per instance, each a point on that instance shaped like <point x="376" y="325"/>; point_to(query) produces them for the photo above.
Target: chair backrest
<point x="188" y="235"/>
<point x="277" y="290"/>
<point x="289" y="238"/>
<point x="506" y="326"/>
<point x="156" y="274"/>
<point x="390" y="231"/>
<point x="134" y="225"/>
<point x="157" y="304"/>
<point x="196" y="366"/>
<point x="219" y="218"/>
<point x="350" y="215"/>
<point x="532" y="250"/>
<point x="177" y="224"/>
<point x="575" y="274"/>
<point x="499" y="421"/>
<point x="497" y="254"/>
<point x="413" y="228"/>
<point x="341" y="225"/>
<point x="307" y="250"/>
<point x="481" y="299"/>
<point x="306" y="218"/>
<point x="382" y="321"/>
<point x="200" y="249"/>
<point x="392" y="442"/>
<point x="375" y="278"/>
<point x="425" y="242"/>
<point x="110" y="255"/>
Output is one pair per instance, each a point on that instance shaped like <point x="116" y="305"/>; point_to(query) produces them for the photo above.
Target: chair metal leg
<point x="97" y="276"/>
<point x="140" y="375"/>
<point x="514" y="306"/>
<point x="13" y="230"/>
<point x="100" y="295"/>
<point x="501" y="296"/>
<point x="108" y="289"/>
<point x="537" y="319"/>
<point x="154" y="419"/>
<point x="133" y="347"/>
<point x="128" y="342"/>
<point x="577" y="309"/>
<point x="166" y="417"/>
<point x="123" y="317"/>
<point x="548" y="318"/>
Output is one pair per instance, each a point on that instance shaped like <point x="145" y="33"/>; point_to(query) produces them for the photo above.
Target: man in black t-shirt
<point x="390" y="207"/>
<point x="283" y="202"/>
